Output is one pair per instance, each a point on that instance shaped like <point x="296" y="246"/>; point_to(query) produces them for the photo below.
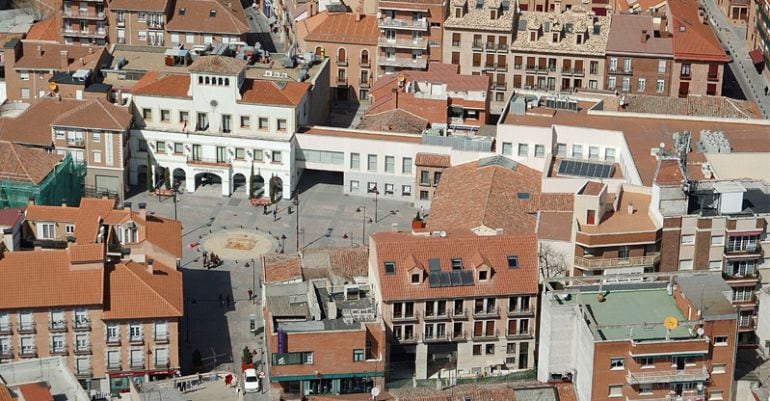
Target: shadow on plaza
<point x="311" y="178"/>
<point x="204" y="326"/>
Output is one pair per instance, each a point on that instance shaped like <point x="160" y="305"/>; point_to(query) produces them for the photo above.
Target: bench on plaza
<point x="164" y="192"/>
<point x="260" y="202"/>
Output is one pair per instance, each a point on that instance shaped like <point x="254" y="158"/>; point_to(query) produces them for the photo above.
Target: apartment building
<point x="111" y="317"/>
<point x="640" y="56"/>
<point x="716" y="225"/>
<point x="206" y="22"/>
<point x="737" y="11"/>
<point x="598" y="7"/>
<point x="350" y="41"/>
<point x="333" y="342"/>
<point x="476" y="38"/>
<point x="214" y="126"/>
<point x="699" y="59"/>
<point x="84" y="22"/>
<point x="430" y="167"/>
<point x="670" y="339"/>
<point x="411" y="34"/>
<point x="139" y="23"/>
<point x="614" y="234"/>
<point x="559" y="52"/>
<point x="456" y="303"/>
<point x="30" y="67"/>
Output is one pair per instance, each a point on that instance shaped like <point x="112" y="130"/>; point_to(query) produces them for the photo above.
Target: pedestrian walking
<point x="221" y="299"/>
<point x="275" y="214"/>
<point x="251" y="294"/>
<point x="264" y="210"/>
<point x="766" y="90"/>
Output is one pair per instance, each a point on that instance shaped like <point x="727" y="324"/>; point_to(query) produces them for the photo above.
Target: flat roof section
<point x="622" y="220"/>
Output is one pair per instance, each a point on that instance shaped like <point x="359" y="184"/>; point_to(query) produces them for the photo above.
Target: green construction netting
<point x="64" y="184"/>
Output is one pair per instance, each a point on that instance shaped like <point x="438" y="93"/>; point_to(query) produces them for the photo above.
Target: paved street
<point x="259" y="31"/>
<point x="732" y="38"/>
<point x="219" y="331"/>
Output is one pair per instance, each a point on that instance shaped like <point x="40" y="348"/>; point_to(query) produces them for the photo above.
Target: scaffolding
<point x="63" y="184"/>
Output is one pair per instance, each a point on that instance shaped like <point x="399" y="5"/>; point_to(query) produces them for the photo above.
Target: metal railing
<point x="407" y="340"/>
<point x="26" y="328"/>
<point x="208" y="161"/>
<point x="5" y="328"/>
<point x="82" y="349"/>
<point x="114" y="365"/>
<point x="28" y="352"/>
<point x="136" y="339"/>
<point x="84" y="372"/>
<point x="487" y="312"/>
<point x="518" y="334"/>
<point x="433" y="338"/>
<point x="112" y="340"/>
<point x="57" y="326"/>
<point x="160" y="338"/>
<point x="749" y="248"/>
<point x="461" y="314"/>
<point x="60" y="350"/>
<point x="397" y="23"/>
<point x="136" y="364"/>
<point x="437" y="315"/>
<point x="667" y="376"/>
<point x="486" y="336"/>
<point x="404" y="317"/>
<point x="410" y="43"/>
<point x="607" y="263"/>
<point x="162" y="364"/>
<point x="342" y="62"/>
<point x="520" y="312"/>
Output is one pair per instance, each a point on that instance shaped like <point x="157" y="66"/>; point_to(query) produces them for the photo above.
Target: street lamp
<point x="373" y="190"/>
<point x="174" y="192"/>
<point x="296" y="204"/>
<point x="348" y="235"/>
<point x="363" y="224"/>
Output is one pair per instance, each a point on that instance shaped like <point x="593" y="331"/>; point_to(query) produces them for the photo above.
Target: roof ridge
<point x="19" y="161"/>
<point x="149" y="286"/>
<point x="103" y="107"/>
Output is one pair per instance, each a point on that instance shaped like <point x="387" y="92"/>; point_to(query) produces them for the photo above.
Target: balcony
<point x="136" y="340"/>
<point x="743" y="249"/>
<point x="487" y="313"/>
<point x="502" y="47"/>
<point x="477" y="45"/>
<point x="26" y="328"/>
<point x="420" y="63"/>
<point x="81" y="324"/>
<point x="439" y="315"/>
<point x="6" y="353"/>
<point x="155" y="24"/>
<point x="342" y="81"/>
<point x="5" y="329"/>
<point x="499" y="86"/>
<point x="60" y="350"/>
<point x="364" y="83"/>
<point x="82" y="349"/>
<point x="206" y="161"/>
<point x="572" y="71"/>
<point x="342" y="62"/>
<point x="162" y="364"/>
<point x="59" y="326"/>
<point x="491" y="46"/>
<point x="667" y="376"/>
<point x="396" y="23"/>
<point x="519" y="334"/>
<point x="406" y="318"/>
<point x="84" y="372"/>
<point x="406" y="340"/>
<point x="486" y="336"/>
<point x="364" y="62"/>
<point x="160" y="338"/>
<point x="593" y="263"/>
<point x="459" y="314"/>
<point x="121" y="23"/>
<point x="77" y="143"/>
<point x="112" y="340"/>
<point x="520" y="312"/>
<point x="113" y="365"/>
<point x="410" y="43"/>
<point x="441" y="338"/>
<point x="136" y="365"/>
<point x="685" y="76"/>
<point x="28" y="352"/>
<point x="455" y="43"/>
<point x="69" y="32"/>
<point x="83" y="14"/>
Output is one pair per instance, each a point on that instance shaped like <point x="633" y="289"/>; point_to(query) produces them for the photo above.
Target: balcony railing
<point x="81" y="324"/>
<point x="433" y="338"/>
<point x="487" y="312"/>
<point x="100" y="34"/>
<point x="500" y="86"/>
<point x="342" y="62"/>
<point x="667" y="376"/>
<point x="460" y="336"/>
<point x="82" y="349"/>
<point x="364" y="63"/>
<point x="5" y="328"/>
<point x="397" y="23"/>
<point x="113" y="340"/>
<point x="405" y="318"/>
<point x="59" y="326"/>
<point x="155" y="24"/>
<point x="76" y="142"/>
<point x="81" y="14"/>
<point x="460" y="314"/>
<point x="162" y="364"/>
<point x="573" y="71"/>
<point x="136" y="339"/>
<point x="403" y="62"/>
<point x="342" y="81"/>
<point x="594" y="263"/>
<point x="411" y="43"/>
<point x="491" y="46"/>
<point x="739" y="249"/>
<point x="407" y="340"/>
<point x="60" y="350"/>
<point x="519" y="334"/>
<point x="502" y="47"/>
<point x="121" y="23"/>
<point x="486" y="336"/>
<point x="84" y="372"/>
<point x="136" y="365"/>
<point x="28" y="352"/>
<point x="437" y="315"/>
<point x="364" y="83"/>
<point x="477" y="45"/>
<point x="519" y="312"/>
<point x="26" y="328"/>
<point x="114" y="365"/>
<point x="160" y="338"/>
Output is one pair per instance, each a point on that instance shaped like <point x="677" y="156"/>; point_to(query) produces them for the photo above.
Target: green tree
<point x="252" y="191"/>
<point x="167" y="177"/>
<point x="247" y="357"/>
<point x="149" y="172"/>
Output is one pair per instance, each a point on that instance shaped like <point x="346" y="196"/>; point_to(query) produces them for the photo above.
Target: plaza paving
<point x="218" y="330"/>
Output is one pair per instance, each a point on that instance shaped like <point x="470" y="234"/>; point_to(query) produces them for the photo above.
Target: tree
<point x="167" y="177"/>
<point x="149" y="172"/>
<point x="252" y="190"/>
<point x="247" y="357"/>
<point x="552" y="262"/>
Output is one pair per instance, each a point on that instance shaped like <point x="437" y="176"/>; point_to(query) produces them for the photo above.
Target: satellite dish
<point x="671" y="323"/>
<point x="375" y="391"/>
<point x="214" y="103"/>
<point x="401" y="77"/>
<point x="701" y="331"/>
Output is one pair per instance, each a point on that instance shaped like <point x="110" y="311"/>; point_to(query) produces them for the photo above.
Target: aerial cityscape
<point x="385" y="200"/>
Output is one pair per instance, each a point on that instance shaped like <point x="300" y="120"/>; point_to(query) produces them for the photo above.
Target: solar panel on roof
<point x="467" y="277"/>
<point x="434" y="265"/>
<point x="445" y="280"/>
<point x="457" y="278"/>
<point x="584" y="169"/>
<point x="433" y="280"/>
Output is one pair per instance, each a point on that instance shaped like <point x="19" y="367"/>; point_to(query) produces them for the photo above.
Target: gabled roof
<point x="493" y="251"/>
<point x="273" y="92"/>
<point x="229" y="17"/>
<point x="49" y="57"/>
<point x="163" y="233"/>
<point x="36" y="392"/>
<point x="160" y="292"/>
<point x="47" y="29"/>
<point x="28" y="165"/>
<point x="97" y="114"/>
<point x="344" y="29"/>
<point x="626" y="36"/>
<point x="154" y="83"/>
<point x="10" y="216"/>
<point x="218" y="65"/>
<point x="693" y="39"/>
<point x="41" y="279"/>
<point x="139" y="5"/>
<point x="395" y="120"/>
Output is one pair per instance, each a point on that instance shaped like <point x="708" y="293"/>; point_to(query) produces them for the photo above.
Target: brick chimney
<point x="149" y="263"/>
<point x="644" y="36"/>
<point x="64" y="60"/>
<point x="39" y="51"/>
<point x="143" y="210"/>
<point x="359" y="10"/>
<point x="313" y="7"/>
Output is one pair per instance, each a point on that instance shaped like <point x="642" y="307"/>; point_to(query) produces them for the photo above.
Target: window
<point x="523" y="150"/>
<point x="372" y="163"/>
<point x="390" y="267"/>
<point x="96" y="137"/>
<point x="436" y="178"/>
<point x="245" y="121"/>
<point x="277" y="157"/>
<point x="184" y="117"/>
<point x="113" y="332"/>
<point x="388" y="189"/>
<point x="613" y="64"/>
<point x="147" y="114"/>
<point x="406" y="165"/>
<point x="165" y="116"/>
<point x="561" y="149"/>
<point x="281" y="124"/>
<point x="259" y="155"/>
<point x="24" y="75"/>
<point x="355" y="161"/>
<point x="61" y="134"/>
<point x="354" y="185"/>
<point x="617" y="363"/>
<point x="490" y="349"/>
<point x="641" y="84"/>
<point x="406" y="190"/>
<point x="715" y="265"/>
<point x="720" y="341"/>
<point x="577" y="151"/>
<point x="660" y="85"/>
<point x="424" y="195"/>
<point x="263" y="123"/>
<point x="715" y="395"/>
<point x="69" y="229"/>
<point x="627" y="65"/>
<point x="227" y="123"/>
<point x="477" y="349"/>
<point x="539" y="150"/>
<point x="293" y="358"/>
<point x="415" y="278"/>
<point x="593" y="84"/>
<point x="645" y="389"/>
<point x="424" y="177"/>
<point x="48" y="231"/>
<point x="717" y="240"/>
<point x="594" y="67"/>
<point x="661" y="66"/>
<point x="507" y="148"/>
<point x="718" y="368"/>
<point x="97" y="156"/>
<point x="390" y="163"/>
<point x="240" y="153"/>
<point x="203" y="122"/>
<point x="609" y="154"/>
<point x="513" y="262"/>
<point x="593" y="152"/>
<point x="616" y="391"/>
<point x="685" y="264"/>
<point x="178" y="148"/>
<point x="358" y="355"/>
<point x="742" y="294"/>
<point x="482" y="275"/>
<point x="688" y="239"/>
<point x="685" y="71"/>
<point x="160" y="332"/>
<point x="135" y="331"/>
<point x="160" y="147"/>
<point x="647" y="362"/>
<point x="611" y="83"/>
<point x="625" y="84"/>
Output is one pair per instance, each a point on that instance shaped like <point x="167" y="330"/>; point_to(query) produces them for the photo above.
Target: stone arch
<point x="179" y="177"/>
<point x="276" y="189"/>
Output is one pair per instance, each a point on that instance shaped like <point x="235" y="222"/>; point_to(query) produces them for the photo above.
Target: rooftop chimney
<point x="127" y="206"/>
<point x="31" y="201"/>
<point x="631" y="208"/>
<point x="64" y="60"/>
<point x="313" y="7"/>
<point x="143" y="210"/>
<point x="644" y="36"/>
<point x="359" y="10"/>
<point x="149" y="264"/>
<point x="64" y="203"/>
<point x="39" y="51"/>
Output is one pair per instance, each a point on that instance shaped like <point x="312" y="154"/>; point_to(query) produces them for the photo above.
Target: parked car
<point x="251" y="383"/>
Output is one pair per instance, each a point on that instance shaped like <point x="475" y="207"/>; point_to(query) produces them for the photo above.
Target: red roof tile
<point x="229" y="17"/>
<point x="5" y="393"/>
<point x="36" y="392"/>
<point x="432" y="160"/>
<point x="87" y="253"/>
<point x="273" y="92"/>
<point x="669" y="173"/>
<point x="26" y="165"/>
<point x="155" y="84"/>
<point x="164" y="233"/>
<point x="556" y="226"/>
<point x="139" y="5"/>
<point x="10" y="216"/>
<point x="97" y="114"/>
<point x="160" y="292"/>
<point x="592" y="188"/>
<point x="280" y="268"/>
<point x="343" y="28"/>
<point x="693" y="39"/>
<point x="47" y="29"/>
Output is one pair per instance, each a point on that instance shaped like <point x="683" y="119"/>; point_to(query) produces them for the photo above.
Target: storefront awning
<point x="756" y="56"/>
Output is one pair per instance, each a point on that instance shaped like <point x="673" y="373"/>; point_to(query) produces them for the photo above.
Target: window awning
<point x="756" y="56"/>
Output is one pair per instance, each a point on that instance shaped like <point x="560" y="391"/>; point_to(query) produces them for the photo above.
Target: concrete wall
<point x="558" y="325"/>
<point x="584" y="356"/>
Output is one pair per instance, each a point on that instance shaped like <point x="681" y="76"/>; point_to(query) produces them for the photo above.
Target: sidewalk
<point x="752" y="83"/>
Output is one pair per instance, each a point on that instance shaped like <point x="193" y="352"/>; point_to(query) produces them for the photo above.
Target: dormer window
<point x="579" y="39"/>
<point x="457" y="264"/>
<point x="212" y="13"/>
<point x="532" y="36"/>
<point x="513" y="262"/>
<point x="390" y="267"/>
<point x="492" y="14"/>
<point x="415" y="278"/>
<point x="483" y="275"/>
<point x="555" y="37"/>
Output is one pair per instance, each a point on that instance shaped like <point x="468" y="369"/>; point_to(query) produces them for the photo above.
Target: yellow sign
<point x="671" y="323"/>
<point x="52" y="86"/>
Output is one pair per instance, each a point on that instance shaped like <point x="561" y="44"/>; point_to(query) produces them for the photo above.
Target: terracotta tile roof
<point x="155" y="84"/>
<point x="473" y="250"/>
<point x="548" y="201"/>
<point x="620" y="220"/>
<point x="432" y="160"/>
<point x="47" y="29"/>
<point x="164" y="233"/>
<point x="385" y="100"/>
<point x="474" y="195"/>
<point x="309" y="24"/>
<point x="40" y="279"/>
<point x="346" y="262"/>
<point x="669" y="173"/>
<point x="87" y="253"/>
<point x="90" y="214"/>
<point x="28" y="165"/>
<point x="592" y="188"/>
<point x="626" y="36"/>
<point x="280" y="268"/>
<point x="50" y="56"/>
<point x="10" y="216"/>
<point x="703" y="106"/>
<point x="197" y="17"/>
<point x="638" y="5"/>
<point x="273" y="92"/>
<point x="693" y="40"/>
<point x="566" y="392"/>
<point x="160" y="292"/>
<point x="555" y="226"/>
<point x="33" y="126"/>
<point x="96" y="113"/>
<point x="397" y="120"/>
<point x="5" y="393"/>
<point x="218" y="65"/>
<point x="361" y="134"/>
<point x="343" y="28"/>
<point x="139" y="5"/>
<point x="6" y="37"/>
<point x="35" y="392"/>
